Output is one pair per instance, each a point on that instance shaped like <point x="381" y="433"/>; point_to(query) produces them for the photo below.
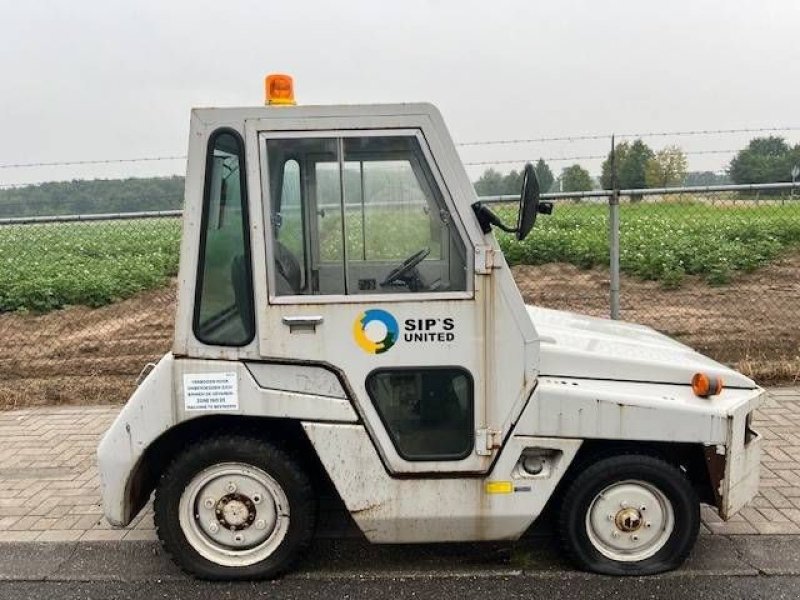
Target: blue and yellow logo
<point x="375" y="330"/>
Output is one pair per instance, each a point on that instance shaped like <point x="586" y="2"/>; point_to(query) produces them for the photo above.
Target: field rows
<point x="44" y="267"/>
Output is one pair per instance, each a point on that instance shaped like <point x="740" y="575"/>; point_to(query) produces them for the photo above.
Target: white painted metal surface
<point x="576" y="345"/>
<point x="148" y="414"/>
<point x="403" y="510"/>
<point x="623" y="410"/>
<point x="160" y="403"/>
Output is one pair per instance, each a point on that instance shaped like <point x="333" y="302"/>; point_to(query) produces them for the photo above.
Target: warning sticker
<point x="210" y="391"/>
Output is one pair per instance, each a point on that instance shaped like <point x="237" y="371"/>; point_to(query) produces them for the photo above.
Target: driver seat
<point x="289" y="278"/>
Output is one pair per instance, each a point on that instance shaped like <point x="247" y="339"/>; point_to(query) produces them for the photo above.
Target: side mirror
<point x="529" y="207"/>
<point x="528" y="202"/>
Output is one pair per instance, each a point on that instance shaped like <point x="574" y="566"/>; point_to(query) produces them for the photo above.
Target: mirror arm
<point x="487" y="219"/>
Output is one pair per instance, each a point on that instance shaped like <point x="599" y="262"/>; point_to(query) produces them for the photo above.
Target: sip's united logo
<point x="375" y="331"/>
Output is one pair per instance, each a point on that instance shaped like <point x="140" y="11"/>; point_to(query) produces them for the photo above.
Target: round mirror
<point x="528" y="202"/>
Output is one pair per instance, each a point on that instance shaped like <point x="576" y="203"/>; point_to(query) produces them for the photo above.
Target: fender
<point x="145" y="417"/>
<point x="158" y="405"/>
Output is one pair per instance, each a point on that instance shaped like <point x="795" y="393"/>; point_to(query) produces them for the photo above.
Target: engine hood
<point x="573" y="345"/>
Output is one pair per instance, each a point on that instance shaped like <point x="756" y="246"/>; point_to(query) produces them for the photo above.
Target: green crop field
<point x="43" y="267"/>
<point x="663" y="242"/>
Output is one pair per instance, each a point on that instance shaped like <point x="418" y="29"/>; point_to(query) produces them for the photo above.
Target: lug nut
<point x="623" y="504"/>
<point x="260" y="524"/>
<point x="611" y="517"/>
<point x="213" y="528"/>
<point x="209" y="503"/>
<point x="231" y="488"/>
<point x="615" y="534"/>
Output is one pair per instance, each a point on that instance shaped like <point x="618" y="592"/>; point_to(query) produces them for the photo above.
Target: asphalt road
<point x="574" y="588"/>
<point x="747" y="567"/>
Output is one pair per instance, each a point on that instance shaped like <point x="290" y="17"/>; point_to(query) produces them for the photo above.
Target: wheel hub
<point x="235" y="512"/>
<point x="628" y="520"/>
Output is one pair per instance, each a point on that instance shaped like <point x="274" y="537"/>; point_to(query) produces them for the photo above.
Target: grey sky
<point x="109" y="79"/>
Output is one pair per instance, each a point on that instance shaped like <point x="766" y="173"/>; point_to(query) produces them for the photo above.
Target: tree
<point x="621" y="152"/>
<point x="491" y="183"/>
<point x="544" y="175"/>
<point x="632" y="172"/>
<point x="631" y="161"/>
<point x="512" y="183"/>
<point x="667" y="168"/>
<point x="764" y="160"/>
<point x="576" y="179"/>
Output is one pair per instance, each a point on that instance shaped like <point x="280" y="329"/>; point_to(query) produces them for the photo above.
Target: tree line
<point x="763" y="160"/>
<point x="92" y="196"/>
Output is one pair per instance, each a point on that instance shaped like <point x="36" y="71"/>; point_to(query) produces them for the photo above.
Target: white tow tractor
<point x="346" y="321"/>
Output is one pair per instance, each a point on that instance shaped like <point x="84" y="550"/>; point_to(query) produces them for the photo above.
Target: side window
<point x="374" y="219"/>
<point x="224" y="302"/>
<point x="427" y="411"/>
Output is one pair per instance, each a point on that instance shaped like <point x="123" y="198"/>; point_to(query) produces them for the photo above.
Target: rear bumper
<point x="735" y="468"/>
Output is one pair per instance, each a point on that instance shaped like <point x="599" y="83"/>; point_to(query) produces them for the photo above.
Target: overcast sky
<point x="96" y="79"/>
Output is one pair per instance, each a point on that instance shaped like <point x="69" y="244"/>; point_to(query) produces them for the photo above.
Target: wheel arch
<point x="158" y="455"/>
<point x="690" y="458"/>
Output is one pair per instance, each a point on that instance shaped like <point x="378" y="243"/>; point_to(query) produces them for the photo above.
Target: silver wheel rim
<point x="234" y="514"/>
<point x="630" y="521"/>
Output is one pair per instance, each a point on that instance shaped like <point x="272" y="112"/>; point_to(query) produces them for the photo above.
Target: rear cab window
<point x="224" y="312"/>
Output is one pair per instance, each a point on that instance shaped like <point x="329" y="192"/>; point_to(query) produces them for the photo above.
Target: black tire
<point x="660" y="475"/>
<point x="252" y="451"/>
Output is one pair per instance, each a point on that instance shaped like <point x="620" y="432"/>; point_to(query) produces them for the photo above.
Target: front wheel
<point x="629" y="515"/>
<point x="234" y="507"/>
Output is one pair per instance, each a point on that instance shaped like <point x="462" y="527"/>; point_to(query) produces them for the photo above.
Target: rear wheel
<point x="234" y="507"/>
<point x="629" y="515"/>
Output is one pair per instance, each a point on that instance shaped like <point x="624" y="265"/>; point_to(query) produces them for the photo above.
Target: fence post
<point x="613" y="235"/>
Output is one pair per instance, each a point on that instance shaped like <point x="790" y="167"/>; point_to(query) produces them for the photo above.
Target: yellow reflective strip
<point x="499" y="487"/>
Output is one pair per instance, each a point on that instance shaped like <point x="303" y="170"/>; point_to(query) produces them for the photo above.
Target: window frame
<point x="204" y="219"/>
<point x="438" y="180"/>
<point x="389" y="431"/>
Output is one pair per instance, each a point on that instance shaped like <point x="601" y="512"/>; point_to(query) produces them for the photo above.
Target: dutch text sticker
<point x="210" y="391"/>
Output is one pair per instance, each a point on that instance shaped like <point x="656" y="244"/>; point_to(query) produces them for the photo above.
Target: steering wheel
<point x="399" y="273"/>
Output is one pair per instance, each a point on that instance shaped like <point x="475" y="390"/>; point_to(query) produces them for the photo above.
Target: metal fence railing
<point x="87" y="300"/>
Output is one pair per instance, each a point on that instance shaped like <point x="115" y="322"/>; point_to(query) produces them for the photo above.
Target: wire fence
<point x="87" y="301"/>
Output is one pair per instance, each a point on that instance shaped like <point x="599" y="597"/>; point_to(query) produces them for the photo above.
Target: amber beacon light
<point x="279" y="90"/>
<point x="706" y="385"/>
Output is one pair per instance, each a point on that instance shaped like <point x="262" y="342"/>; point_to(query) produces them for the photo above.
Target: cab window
<point x="224" y="305"/>
<point x="373" y="219"/>
<point x="426" y="410"/>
